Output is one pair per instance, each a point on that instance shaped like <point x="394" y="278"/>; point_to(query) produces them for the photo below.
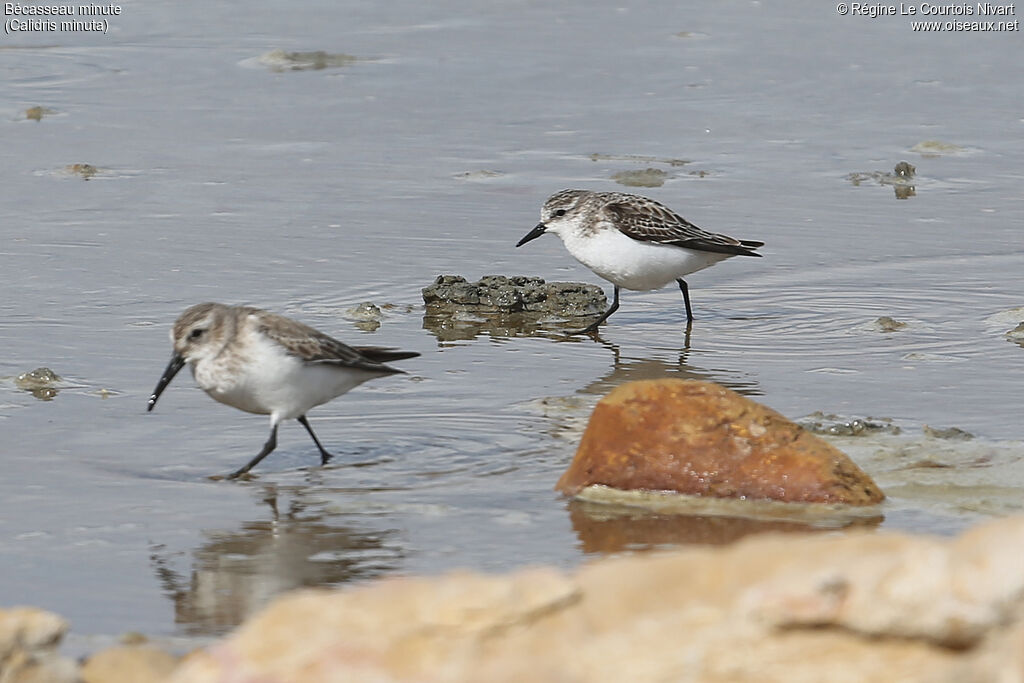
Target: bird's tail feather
<point x="381" y="354"/>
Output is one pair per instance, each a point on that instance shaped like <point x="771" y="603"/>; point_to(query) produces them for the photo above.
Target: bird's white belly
<point x="269" y="381"/>
<point x="637" y="265"/>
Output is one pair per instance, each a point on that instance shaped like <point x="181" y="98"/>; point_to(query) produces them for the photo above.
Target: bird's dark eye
<point x="195" y="334"/>
<point x="560" y="212"/>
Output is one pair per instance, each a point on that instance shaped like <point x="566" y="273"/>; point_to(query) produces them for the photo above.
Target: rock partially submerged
<point x="702" y="439"/>
<point x="497" y="294"/>
<point x="43" y="383"/>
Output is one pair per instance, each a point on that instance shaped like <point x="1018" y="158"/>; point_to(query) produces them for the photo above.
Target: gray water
<point x="308" y="191"/>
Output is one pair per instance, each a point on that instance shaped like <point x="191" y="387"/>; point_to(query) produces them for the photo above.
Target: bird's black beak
<point x="533" y="234"/>
<point x="177" y="363"/>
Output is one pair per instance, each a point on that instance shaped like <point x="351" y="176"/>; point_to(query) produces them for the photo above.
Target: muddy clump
<point x="497" y="294"/>
<point x="506" y="306"/>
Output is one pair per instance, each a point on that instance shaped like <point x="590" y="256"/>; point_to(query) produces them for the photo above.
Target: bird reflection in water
<point x="235" y="573"/>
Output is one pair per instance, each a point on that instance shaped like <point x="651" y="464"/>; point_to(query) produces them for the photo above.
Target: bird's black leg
<point x="324" y="455"/>
<point x="269" y="446"/>
<point x="686" y="298"/>
<point x="611" y="309"/>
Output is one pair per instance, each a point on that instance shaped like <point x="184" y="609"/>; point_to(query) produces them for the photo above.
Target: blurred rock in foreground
<point x="852" y="607"/>
<point x="702" y="439"/>
<point x="29" y="638"/>
<point x="128" y="664"/>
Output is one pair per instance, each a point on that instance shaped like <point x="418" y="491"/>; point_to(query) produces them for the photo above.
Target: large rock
<point x="856" y="607"/>
<point x="702" y="439"/>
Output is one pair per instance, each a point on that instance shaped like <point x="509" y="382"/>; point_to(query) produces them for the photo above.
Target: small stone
<point x="36" y="379"/>
<point x="887" y="324"/>
<point x="41" y="383"/>
<point x="364" y="312"/>
<point x="702" y="439"/>
<point x="1017" y="333"/>
<point x="904" y="170"/>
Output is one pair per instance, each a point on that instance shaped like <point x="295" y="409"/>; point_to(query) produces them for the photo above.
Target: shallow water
<point x="309" y="191"/>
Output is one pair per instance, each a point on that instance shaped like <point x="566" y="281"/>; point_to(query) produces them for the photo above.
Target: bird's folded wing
<point x="650" y="221"/>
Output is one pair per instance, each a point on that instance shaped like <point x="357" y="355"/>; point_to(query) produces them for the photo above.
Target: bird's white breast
<point x="633" y="264"/>
<point x="257" y="375"/>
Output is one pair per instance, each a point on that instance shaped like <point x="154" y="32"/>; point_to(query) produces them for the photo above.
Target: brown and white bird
<point x="633" y="242"/>
<point x="265" y="363"/>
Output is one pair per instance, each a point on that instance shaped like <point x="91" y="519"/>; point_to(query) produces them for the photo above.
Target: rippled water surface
<point x="222" y="173"/>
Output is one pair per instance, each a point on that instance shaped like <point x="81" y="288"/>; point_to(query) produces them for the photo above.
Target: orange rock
<point x="702" y="439"/>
